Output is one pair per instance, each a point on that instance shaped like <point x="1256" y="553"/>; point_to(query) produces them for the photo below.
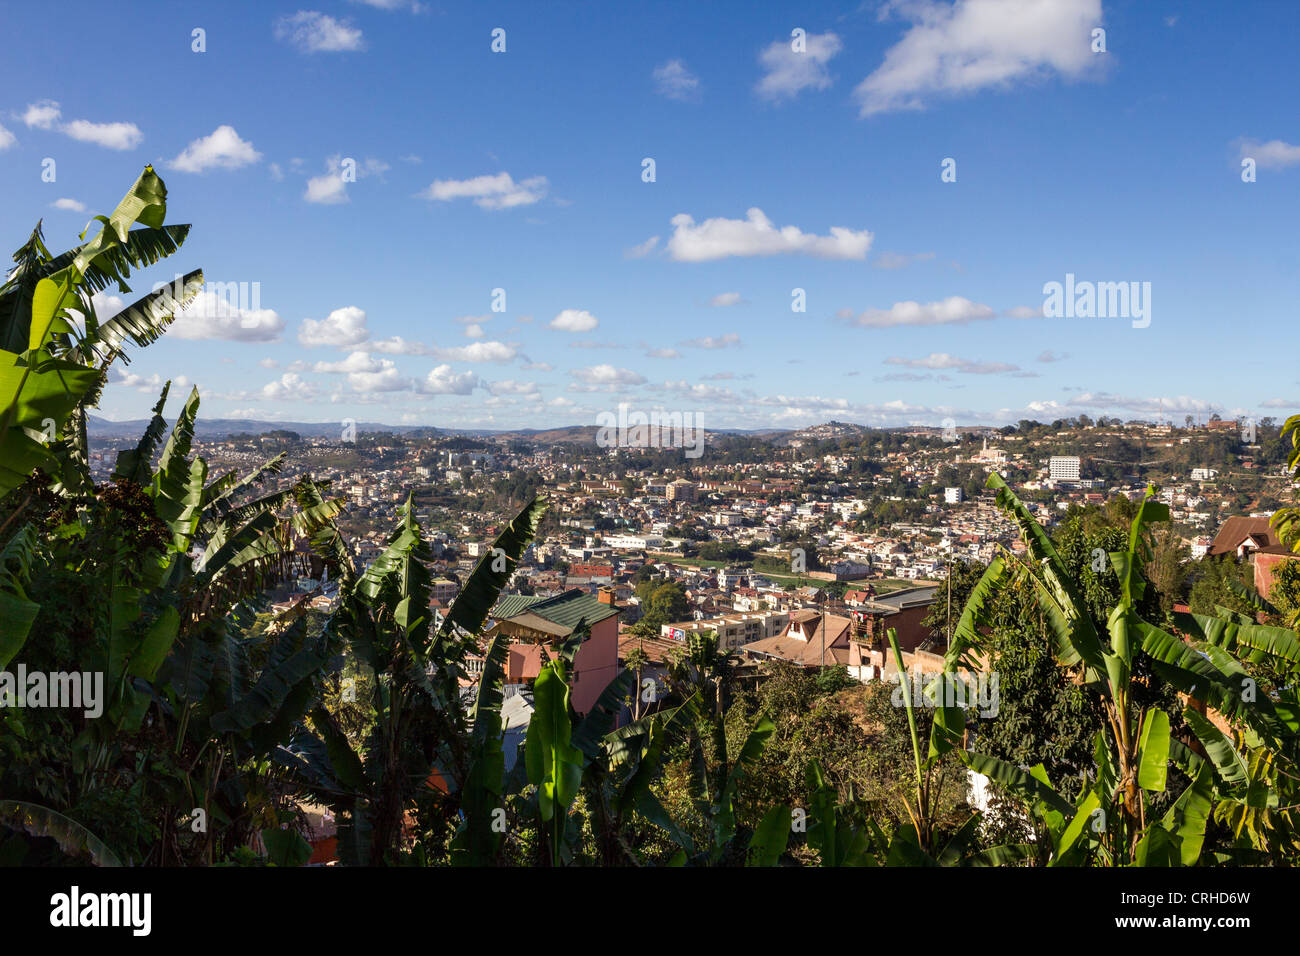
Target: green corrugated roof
<point x="565" y="609"/>
<point x="512" y="604"/>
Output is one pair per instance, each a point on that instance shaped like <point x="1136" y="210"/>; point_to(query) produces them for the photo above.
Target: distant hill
<point x="210" y="428"/>
<point x="220" y="427"/>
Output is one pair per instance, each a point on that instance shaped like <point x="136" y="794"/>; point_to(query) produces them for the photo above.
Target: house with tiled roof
<point x="810" y="639"/>
<point x="1241" y="537"/>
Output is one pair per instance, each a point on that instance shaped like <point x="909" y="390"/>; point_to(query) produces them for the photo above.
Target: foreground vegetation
<point x="1127" y="734"/>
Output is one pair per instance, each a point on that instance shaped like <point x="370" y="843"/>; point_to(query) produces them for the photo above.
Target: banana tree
<point x="51" y="370"/>
<point x="1112" y="821"/>
<point x="420" y="725"/>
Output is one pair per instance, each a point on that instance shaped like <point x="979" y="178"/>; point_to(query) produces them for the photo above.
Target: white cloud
<point x="474" y="331"/>
<point x="355" y="362"/>
<point x="72" y="205"/>
<point x="396" y="345"/>
<point x="713" y="342"/>
<point x="664" y="353"/>
<point x="213" y="316"/>
<point x="341" y="328"/>
<point x="330" y="188"/>
<point x="443" y="381"/>
<point x="1275" y="154"/>
<point x="289" y="387"/>
<point x="220" y="149"/>
<point x="954" y="310"/>
<point x="313" y="32"/>
<point x="642" y="250"/>
<point x="574" y="320"/>
<point x="512" y="387"/>
<point x="1047" y="355"/>
<point x="268" y="363"/>
<point x="959" y="48"/>
<point x="477" y="352"/>
<point x="724" y="299"/>
<point x="788" y="73"/>
<point x="108" y="135"/>
<point x="756" y="236"/>
<point x="1279" y="403"/>
<point x="489" y="192"/>
<point x="7" y="138"/>
<point x="942" y="360"/>
<point x="607" y="375"/>
<point x="44" y="114"/>
<point x="675" y="81"/>
<point x="381" y="377"/>
<point x="327" y="190"/>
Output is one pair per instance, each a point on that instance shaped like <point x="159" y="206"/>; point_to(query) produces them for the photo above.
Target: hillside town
<point x="789" y="546"/>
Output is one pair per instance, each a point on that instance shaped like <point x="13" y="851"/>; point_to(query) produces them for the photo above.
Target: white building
<point x="633" y="542"/>
<point x="1063" y="468"/>
<point x="953" y="496"/>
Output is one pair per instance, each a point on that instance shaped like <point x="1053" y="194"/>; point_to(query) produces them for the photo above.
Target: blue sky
<point x="523" y="171"/>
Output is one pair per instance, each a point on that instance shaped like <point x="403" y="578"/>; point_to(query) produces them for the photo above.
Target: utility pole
<point x="948" y="620"/>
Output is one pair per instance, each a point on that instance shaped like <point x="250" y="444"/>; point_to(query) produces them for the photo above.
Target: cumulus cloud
<point x="220" y="149"/>
<point x="959" y="48"/>
<point x="788" y="73"/>
<point x="443" y="381"/>
<point x="46" y="114"/>
<point x="7" y="138"/>
<point x="574" y="320"/>
<point x="289" y="387"/>
<point x="954" y="310"/>
<point x="675" y="81"/>
<point x="341" y="328"/>
<point x="477" y="352"/>
<point x="1275" y="154"/>
<point x="396" y="345"/>
<point x="108" y="135"/>
<point x="724" y="299"/>
<point x="607" y="375"/>
<point x="72" y="205"/>
<point x="755" y="235"/>
<point x="330" y="188"/>
<point x="355" y="362"/>
<point x="489" y="192"/>
<point x="311" y="31"/>
<point x="211" y="315"/>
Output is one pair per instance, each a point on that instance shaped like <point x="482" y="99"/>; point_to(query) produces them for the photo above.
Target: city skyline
<point x="367" y="221"/>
